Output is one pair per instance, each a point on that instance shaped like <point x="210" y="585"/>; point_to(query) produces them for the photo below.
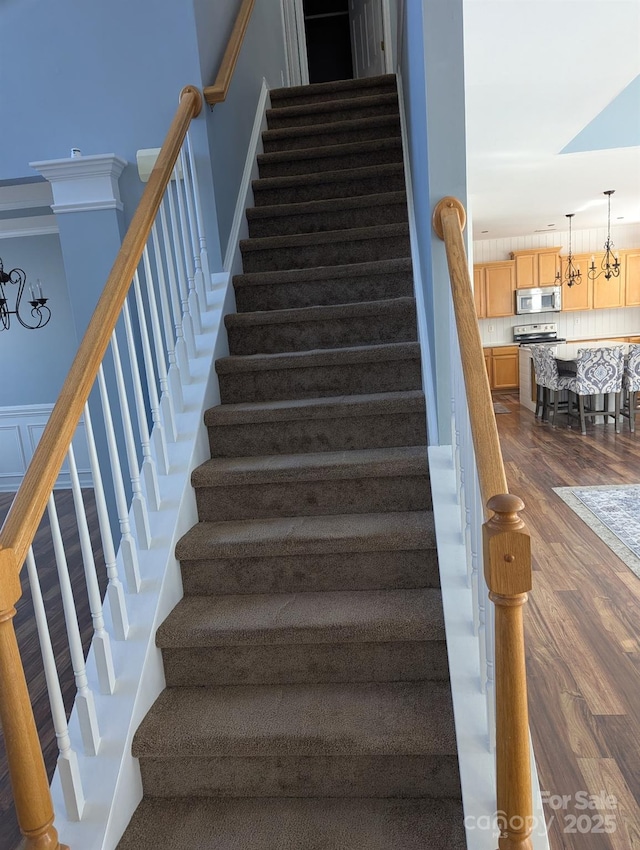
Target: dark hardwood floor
<point x="582" y="626"/>
<point x="28" y="636"/>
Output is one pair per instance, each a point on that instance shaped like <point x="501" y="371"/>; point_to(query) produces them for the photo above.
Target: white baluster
<point x="164" y="427"/>
<point x="101" y="642"/>
<point x="166" y="404"/>
<point x="67" y="757"/>
<point x="149" y="473"/>
<point x="204" y="254"/>
<point x="138" y="502"/>
<point x="188" y="325"/>
<point x="84" y="702"/>
<point x="182" y="356"/>
<point x="195" y="309"/>
<point x="198" y="276"/>
<point x="173" y="374"/>
<point x="127" y="543"/>
<point x="115" y="591"/>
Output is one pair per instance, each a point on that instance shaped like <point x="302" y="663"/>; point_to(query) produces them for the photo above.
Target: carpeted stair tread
<point x="320" y="357"/>
<point x="304" y="618"/>
<point x="327" y="237"/>
<point x="343" y="182"/>
<point x="323" y="111"/>
<point x="308" y="208"/>
<point x="361" y="719"/>
<point x="293" y="824"/>
<point x="332" y="90"/>
<point x="345" y="422"/>
<point x="335" y="132"/>
<point x="318" y="273"/>
<point x="320" y="313"/>
<point x="326" y="466"/>
<point x="330" y="157"/>
<point x="308" y="535"/>
<point x="314" y="408"/>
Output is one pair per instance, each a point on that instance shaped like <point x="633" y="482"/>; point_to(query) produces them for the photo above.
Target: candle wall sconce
<point x="39" y="312"/>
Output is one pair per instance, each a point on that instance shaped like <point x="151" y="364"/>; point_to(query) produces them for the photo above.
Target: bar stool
<point x="631" y="386"/>
<point x="538" y="369"/>
<point x="553" y="381"/>
<point x="598" y="372"/>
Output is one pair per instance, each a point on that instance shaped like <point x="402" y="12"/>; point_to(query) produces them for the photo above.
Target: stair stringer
<point x="111" y="780"/>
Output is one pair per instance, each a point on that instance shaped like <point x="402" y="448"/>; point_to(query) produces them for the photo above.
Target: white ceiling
<point x="537" y="73"/>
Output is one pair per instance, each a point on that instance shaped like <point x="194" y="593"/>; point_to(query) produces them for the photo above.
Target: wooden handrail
<point x="218" y="91"/>
<point x="28" y="506"/>
<point x="448" y="222"/>
<point x="506" y="550"/>
<point x="26" y="764"/>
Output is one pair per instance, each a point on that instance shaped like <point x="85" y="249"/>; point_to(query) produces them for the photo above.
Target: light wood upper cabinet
<point x="536" y="267"/>
<point x="579" y="296"/>
<point x="478" y="292"/>
<point x="632" y="278"/>
<point x="494" y="285"/>
<point x="608" y="293"/>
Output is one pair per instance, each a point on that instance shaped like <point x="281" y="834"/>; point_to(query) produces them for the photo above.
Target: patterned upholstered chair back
<point x="599" y="370"/>
<point x="551" y="377"/>
<point x="538" y="363"/>
<point x="631" y="378"/>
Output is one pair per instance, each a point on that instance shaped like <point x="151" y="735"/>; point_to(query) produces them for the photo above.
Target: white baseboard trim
<point x="239" y="228"/>
<point x="21" y="427"/>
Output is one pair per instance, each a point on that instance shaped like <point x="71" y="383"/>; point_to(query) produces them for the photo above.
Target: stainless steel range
<point x="530" y="334"/>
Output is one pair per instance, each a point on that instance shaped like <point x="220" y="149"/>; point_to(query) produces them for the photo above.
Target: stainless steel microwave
<point x="542" y="299"/>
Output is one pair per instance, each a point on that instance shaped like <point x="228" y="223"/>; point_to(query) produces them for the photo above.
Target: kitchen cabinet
<point x="494" y="285"/>
<point x="478" y="292"/>
<point x="608" y="293"/>
<point x="502" y="366"/>
<point x="536" y="267"/>
<point x="579" y="296"/>
<point x="632" y="278"/>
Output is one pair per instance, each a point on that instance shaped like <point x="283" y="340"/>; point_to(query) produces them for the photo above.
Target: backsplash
<point x="585" y="324"/>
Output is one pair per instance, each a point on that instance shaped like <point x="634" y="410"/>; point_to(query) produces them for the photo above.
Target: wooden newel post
<point x="26" y="765"/>
<point x="507" y="570"/>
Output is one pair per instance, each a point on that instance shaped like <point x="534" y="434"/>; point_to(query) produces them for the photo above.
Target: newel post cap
<point x="507" y="547"/>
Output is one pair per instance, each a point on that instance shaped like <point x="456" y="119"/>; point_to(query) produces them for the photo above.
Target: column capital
<point x="83" y="183"/>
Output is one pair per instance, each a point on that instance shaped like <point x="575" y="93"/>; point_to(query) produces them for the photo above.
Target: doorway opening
<point x="328" y="39"/>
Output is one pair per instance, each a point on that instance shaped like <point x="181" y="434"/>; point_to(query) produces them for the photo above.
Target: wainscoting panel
<point x="20" y="430"/>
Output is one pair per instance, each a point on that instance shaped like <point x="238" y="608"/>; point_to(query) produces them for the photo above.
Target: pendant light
<point x="610" y="265"/>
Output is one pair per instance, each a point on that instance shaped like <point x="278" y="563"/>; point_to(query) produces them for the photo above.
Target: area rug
<point x="613" y="513"/>
<point x="498" y="407"/>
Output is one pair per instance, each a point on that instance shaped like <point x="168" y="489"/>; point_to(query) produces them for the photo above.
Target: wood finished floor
<point x="582" y="631"/>
<point x="10" y="838"/>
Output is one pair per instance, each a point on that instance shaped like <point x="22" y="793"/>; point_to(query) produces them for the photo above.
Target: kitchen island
<point x="563" y="351"/>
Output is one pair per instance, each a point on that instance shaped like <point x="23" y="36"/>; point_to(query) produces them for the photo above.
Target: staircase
<point x="307" y="701"/>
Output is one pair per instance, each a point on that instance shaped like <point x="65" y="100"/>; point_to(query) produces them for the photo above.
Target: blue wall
<point x="230" y="123"/>
<point x="35" y="362"/>
<point x="432" y="68"/>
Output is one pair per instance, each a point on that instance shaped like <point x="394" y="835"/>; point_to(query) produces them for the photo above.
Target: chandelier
<point x="40" y="313"/>
<point x="572" y="276"/>
<point x="610" y="265"/>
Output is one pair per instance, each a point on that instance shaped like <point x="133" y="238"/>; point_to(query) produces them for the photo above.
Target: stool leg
<point x="617" y="411"/>
<point x="583" y="426"/>
<point x="632" y="411"/>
